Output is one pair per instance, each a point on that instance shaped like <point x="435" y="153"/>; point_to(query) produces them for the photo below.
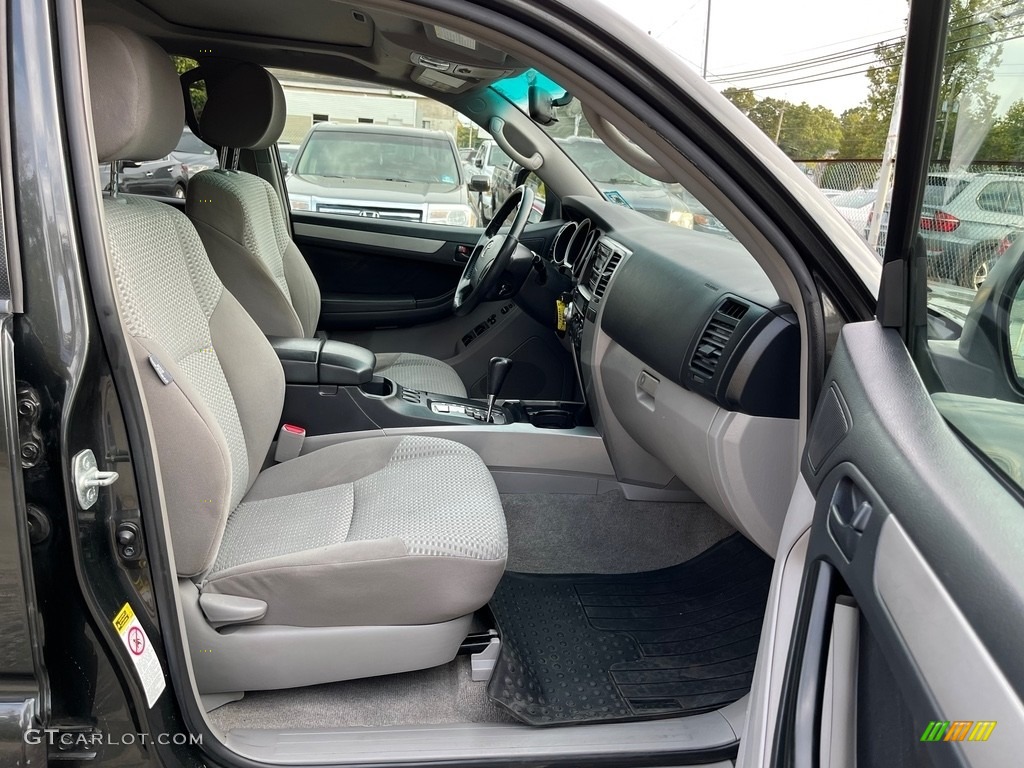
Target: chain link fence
<point x="969" y="216"/>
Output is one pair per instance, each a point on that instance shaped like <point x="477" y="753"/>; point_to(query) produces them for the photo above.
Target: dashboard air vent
<point x="715" y="338"/>
<point x="606" y="274"/>
<point x="732" y="308"/>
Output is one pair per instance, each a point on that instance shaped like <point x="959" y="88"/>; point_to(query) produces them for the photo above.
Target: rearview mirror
<point x="479" y="184"/>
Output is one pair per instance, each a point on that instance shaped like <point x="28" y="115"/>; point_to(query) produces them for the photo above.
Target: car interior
<point x="543" y="487"/>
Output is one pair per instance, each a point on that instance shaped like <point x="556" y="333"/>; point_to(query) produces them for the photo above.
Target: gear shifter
<point x="497" y="370"/>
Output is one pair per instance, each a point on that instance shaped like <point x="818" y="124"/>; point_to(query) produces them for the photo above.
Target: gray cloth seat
<point x="377" y="535"/>
<point x="240" y="218"/>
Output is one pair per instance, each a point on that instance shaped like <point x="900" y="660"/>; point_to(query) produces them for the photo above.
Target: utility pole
<point x="778" y="128"/>
<point x="707" y="42"/>
<point x="888" y="159"/>
<point x="949" y="107"/>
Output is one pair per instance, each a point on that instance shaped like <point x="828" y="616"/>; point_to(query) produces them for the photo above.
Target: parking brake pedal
<point x="482" y="663"/>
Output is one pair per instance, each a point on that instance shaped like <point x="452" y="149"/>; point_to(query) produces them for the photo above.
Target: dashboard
<point x="689" y="360"/>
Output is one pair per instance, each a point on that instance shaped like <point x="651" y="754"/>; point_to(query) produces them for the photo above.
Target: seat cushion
<point x="376" y="532"/>
<point x="420" y="372"/>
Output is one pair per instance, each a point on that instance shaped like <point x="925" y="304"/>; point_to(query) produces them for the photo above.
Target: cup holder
<point x="552" y="419"/>
<point x="378" y="386"/>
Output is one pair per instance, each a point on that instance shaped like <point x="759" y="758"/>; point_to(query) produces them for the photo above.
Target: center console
<point x="331" y="388"/>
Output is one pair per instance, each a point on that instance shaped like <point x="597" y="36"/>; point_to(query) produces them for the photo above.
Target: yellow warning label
<point x="560" y="310"/>
<point x="124" y="618"/>
<point x="140" y="651"/>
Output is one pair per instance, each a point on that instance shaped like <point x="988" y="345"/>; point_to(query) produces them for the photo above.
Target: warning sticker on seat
<point x="146" y="662"/>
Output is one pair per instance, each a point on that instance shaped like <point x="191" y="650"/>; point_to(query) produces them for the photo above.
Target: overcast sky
<point x="749" y="34"/>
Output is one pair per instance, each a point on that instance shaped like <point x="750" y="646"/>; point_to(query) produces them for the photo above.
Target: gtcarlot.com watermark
<point x="62" y="739"/>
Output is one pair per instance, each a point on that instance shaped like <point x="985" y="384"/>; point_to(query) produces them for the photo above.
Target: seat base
<point x="256" y="658"/>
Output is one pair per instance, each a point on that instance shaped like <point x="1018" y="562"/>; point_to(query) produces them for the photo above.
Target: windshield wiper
<point x="404" y="181"/>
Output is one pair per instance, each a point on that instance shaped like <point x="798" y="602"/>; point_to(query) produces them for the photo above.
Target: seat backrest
<point x="239" y="216"/>
<point x="213" y="386"/>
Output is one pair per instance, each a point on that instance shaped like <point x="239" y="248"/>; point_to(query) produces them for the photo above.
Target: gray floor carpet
<point x="438" y="696"/>
<point x="548" y="533"/>
<point x="563" y="533"/>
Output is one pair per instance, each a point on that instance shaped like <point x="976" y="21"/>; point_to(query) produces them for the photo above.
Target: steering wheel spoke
<point x="493" y="253"/>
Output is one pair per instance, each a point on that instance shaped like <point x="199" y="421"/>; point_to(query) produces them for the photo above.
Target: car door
<point x="899" y="591"/>
<point x="381" y="205"/>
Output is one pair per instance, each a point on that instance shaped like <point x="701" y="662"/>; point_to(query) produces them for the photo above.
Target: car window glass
<point x="189" y="142"/>
<point x="616" y="179"/>
<point x="361" y="149"/>
<point x="970" y="226"/>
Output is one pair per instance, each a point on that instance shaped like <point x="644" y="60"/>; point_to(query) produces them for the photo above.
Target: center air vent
<point x="605" y="264"/>
<point x="606" y="274"/>
<point x="715" y="338"/>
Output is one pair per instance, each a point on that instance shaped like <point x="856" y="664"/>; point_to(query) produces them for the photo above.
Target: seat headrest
<point x="138" y="109"/>
<point x="244" y="109"/>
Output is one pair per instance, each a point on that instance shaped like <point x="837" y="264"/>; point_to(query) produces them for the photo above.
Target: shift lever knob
<point x="497" y="370"/>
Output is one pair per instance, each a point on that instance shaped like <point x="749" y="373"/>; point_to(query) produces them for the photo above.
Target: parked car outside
<point x="195" y="153"/>
<point x="167" y="177"/>
<point x="968" y="220"/>
<point x="381" y="172"/>
<point x="854" y="206"/>
<point x="288" y="152"/>
<point x="487" y="157"/>
<point x="623" y="184"/>
<point x="703" y="219"/>
<point x="617" y="180"/>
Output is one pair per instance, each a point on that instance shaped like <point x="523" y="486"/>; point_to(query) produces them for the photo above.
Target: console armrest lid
<point x="345" y="364"/>
<point x="299" y="358"/>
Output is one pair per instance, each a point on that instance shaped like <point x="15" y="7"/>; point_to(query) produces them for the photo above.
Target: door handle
<point x="462" y="253"/>
<point x="149" y="173"/>
<point x="849" y="513"/>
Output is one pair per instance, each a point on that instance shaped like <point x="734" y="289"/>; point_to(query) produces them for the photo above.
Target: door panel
<point x="380" y="274"/>
<point x="374" y="273"/>
<point x="927" y="543"/>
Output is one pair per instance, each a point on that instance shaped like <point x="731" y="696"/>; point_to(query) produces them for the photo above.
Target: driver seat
<point x="242" y="225"/>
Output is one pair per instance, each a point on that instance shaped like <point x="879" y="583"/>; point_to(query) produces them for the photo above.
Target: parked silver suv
<point x="968" y="220"/>
<point x="381" y="172"/>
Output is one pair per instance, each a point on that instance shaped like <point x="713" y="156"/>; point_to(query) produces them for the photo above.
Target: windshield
<point x="379" y="157"/>
<point x="602" y="165"/>
<point x="617" y="180"/>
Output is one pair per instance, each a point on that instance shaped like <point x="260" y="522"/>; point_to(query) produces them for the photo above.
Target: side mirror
<point x="130" y="164"/>
<point x="284" y="168"/>
<point x="991" y="335"/>
<point x="479" y="184"/>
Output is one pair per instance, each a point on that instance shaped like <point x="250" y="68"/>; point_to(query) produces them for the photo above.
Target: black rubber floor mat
<point x="598" y="648"/>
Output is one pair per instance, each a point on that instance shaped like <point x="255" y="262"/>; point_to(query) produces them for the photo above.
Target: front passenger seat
<point x="241" y="221"/>
<point x="364" y="558"/>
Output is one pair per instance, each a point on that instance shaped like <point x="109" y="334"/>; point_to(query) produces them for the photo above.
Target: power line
<point x="851" y="54"/>
<point x="800" y="63"/>
<point x="851" y="69"/>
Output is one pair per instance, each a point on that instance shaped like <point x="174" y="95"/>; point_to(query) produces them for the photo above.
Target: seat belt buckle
<point x="289" y="442"/>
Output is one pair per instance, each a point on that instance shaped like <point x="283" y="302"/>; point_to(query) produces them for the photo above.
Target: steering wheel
<point x="493" y="253"/>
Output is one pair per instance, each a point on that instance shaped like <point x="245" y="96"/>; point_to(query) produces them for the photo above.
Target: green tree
<point x="1006" y="139"/>
<point x="809" y="132"/>
<point x="198" y="90"/>
<point x="863" y="134"/>
<point x="743" y="98"/>
<point x="802" y="131"/>
<point x="973" y="50"/>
